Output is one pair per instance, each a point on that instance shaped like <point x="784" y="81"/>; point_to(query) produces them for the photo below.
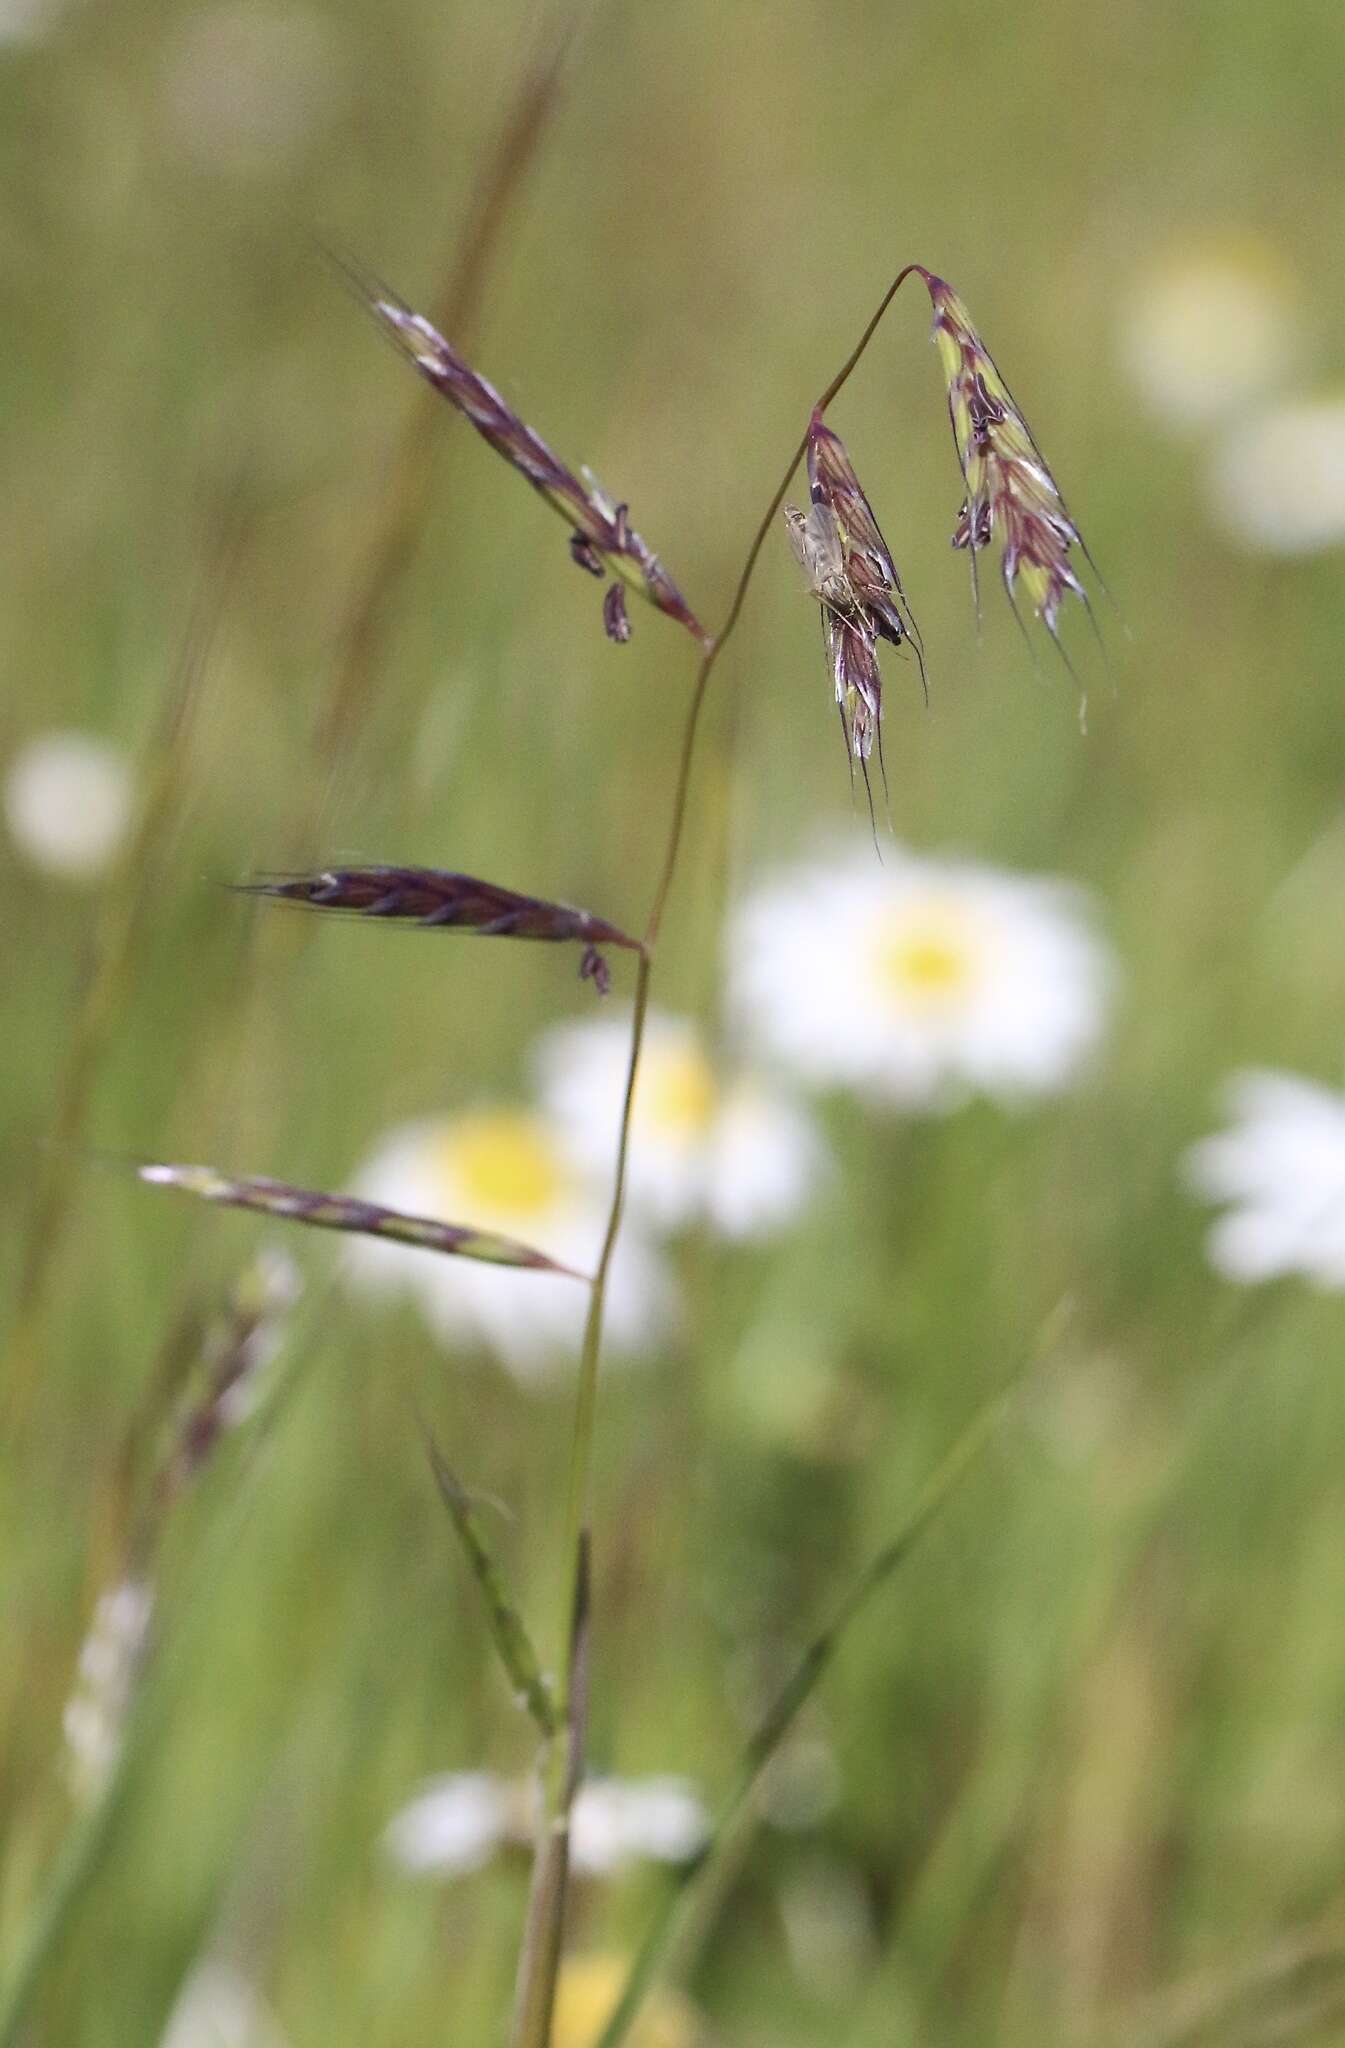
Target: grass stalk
<point x="540" y="1961"/>
<point x="163" y="774"/>
<point x="523" y="123"/>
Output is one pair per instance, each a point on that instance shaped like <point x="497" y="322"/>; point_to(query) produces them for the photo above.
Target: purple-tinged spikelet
<point x="438" y="900"/>
<point x="344" y="1212"/>
<point x="1010" y="493"/>
<point x="852" y="574"/>
<point x="601" y="534"/>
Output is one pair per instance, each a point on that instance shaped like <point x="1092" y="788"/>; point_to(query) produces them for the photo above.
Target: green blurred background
<point x="1089" y="1750"/>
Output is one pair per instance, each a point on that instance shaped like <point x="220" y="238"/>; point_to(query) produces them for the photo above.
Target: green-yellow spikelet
<point x="1010" y="493"/>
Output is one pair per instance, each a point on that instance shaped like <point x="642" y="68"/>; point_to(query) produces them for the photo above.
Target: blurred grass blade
<point x="163" y="773"/>
<point x="779" y="1716"/>
<point x="345" y="1212"/>
<point x="524" y="120"/>
<point x="508" y="1629"/>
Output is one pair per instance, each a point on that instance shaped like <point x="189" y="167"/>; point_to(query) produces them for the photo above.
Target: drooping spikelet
<point x="602" y="537"/>
<point x="1010" y="493"/>
<point x="850" y="571"/>
<point x="344" y="1212"/>
<point x="439" y="900"/>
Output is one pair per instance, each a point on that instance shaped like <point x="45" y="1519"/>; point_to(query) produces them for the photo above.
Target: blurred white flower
<point x="738" y="1154"/>
<point x="617" y="1821"/>
<point x="505" y="1169"/>
<point x="918" y="982"/>
<point x="1280" y="1168"/>
<point x="245" y="84"/>
<point x="454" y="1824"/>
<point x="218" y="2008"/>
<point x="1209" y="328"/>
<point x="1276" y="482"/>
<point x="457" y="1822"/>
<point x="68" y="799"/>
<point x="94" y="1717"/>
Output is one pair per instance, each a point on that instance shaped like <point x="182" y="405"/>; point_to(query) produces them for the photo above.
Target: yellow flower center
<point x="677" y="1093"/>
<point x="586" y="1997"/>
<point x="926" y="959"/>
<point x="502" y="1160"/>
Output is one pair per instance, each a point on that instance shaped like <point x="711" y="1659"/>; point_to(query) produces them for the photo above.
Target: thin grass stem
<point x="541" y="1956"/>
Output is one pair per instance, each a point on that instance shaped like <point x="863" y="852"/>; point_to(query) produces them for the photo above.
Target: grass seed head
<point x="601" y="534"/>
<point x="1010" y="493"/>
<point x="439" y="900"/>
<point x="850" y="571"/>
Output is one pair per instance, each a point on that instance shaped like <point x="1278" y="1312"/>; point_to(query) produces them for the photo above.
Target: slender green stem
<point x="539" y="1963"/>
<point x="581" y="1450"/>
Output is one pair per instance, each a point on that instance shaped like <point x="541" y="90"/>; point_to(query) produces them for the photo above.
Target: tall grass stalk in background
<point x="522" y="127"/>
<point x="163" y="783"/>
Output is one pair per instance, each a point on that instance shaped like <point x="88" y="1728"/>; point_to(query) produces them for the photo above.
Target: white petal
<point x="1281" y="1169"/>
<point x="455" y="1824"/>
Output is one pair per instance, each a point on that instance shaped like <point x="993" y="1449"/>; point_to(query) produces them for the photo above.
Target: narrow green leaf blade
<point x="507" y="1626"/>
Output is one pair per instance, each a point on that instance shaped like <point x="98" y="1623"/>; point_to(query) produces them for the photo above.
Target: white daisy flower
<point x="738" y="1154"/>
<point x="1210" y="328"/>
<point x="916" y="981"/>
<point x="68" y="800"/>
<point x="1280" y="1168"/>
<point x="94" y="1717"/>
<point x="1276" y="482"/>
<point x="454" y="1824"/>
<point x="218" y="2008"/>
<point x="505" y="1170"/>
<point x="458" y="1822"/>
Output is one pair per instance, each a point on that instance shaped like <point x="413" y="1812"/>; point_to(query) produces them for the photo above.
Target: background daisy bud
<point x="1010" y="493"/>
<point x="600" y="530"/>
